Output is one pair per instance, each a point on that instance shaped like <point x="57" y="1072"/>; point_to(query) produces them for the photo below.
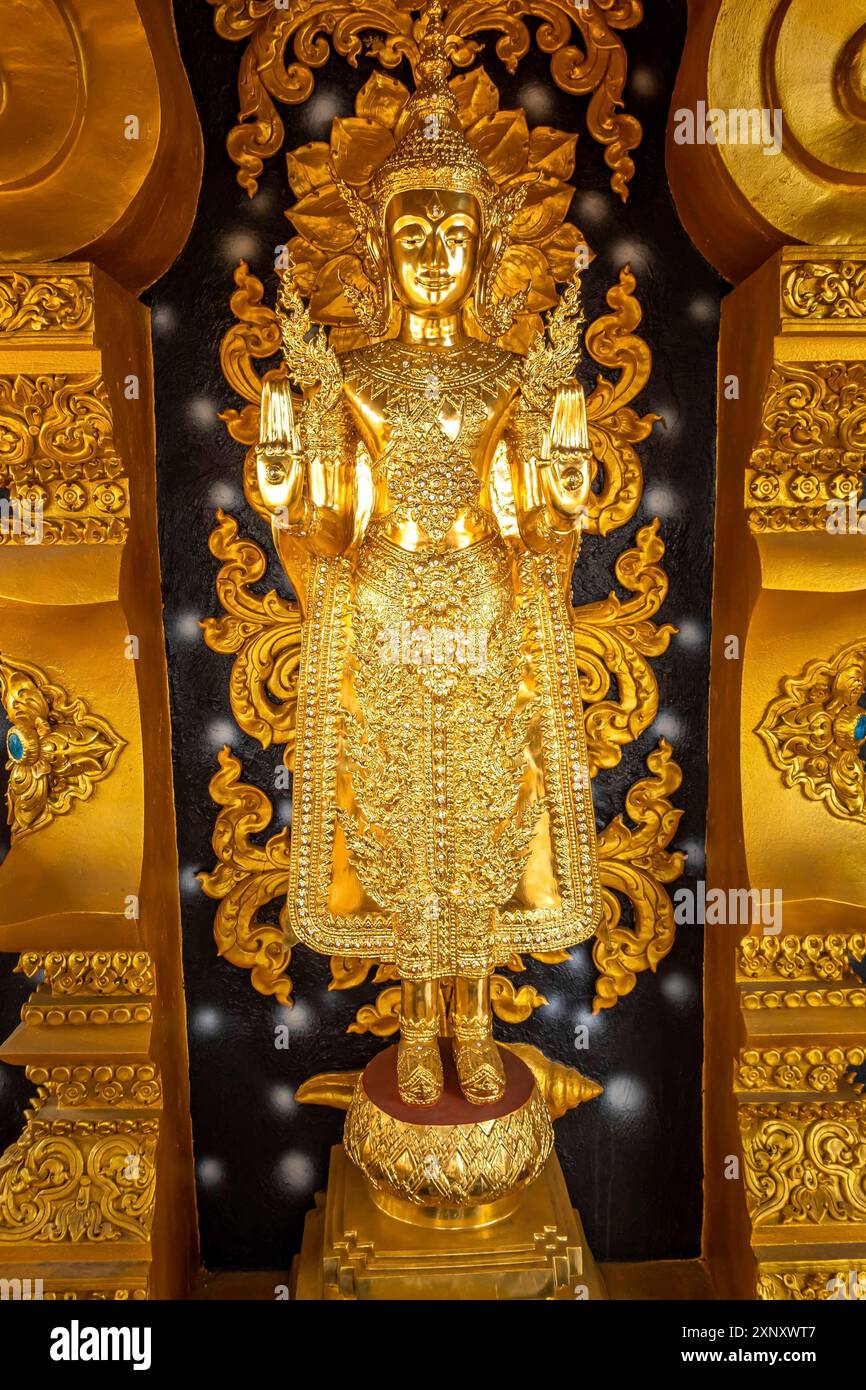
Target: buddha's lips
<point x="435" y="282"/>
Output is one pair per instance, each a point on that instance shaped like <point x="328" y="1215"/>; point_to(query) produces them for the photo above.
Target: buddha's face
<point x="433" y="237"/>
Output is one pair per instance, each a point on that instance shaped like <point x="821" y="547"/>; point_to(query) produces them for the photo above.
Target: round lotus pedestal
<point x="453" y="1164"/>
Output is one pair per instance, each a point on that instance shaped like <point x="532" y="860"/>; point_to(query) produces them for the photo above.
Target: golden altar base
<point x="353" y="1250"/>
<point x="450" y="1201"/>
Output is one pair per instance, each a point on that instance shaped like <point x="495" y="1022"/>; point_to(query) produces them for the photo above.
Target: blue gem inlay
<point x="860" y="728"/>
<point x="15" y="744"/>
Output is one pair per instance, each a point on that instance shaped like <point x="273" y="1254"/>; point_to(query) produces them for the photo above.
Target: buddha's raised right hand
<point x="279" y="461"/>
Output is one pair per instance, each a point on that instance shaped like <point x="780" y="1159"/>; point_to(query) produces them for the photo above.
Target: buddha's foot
<point x="479" y="1065"/>
<point x="419" y="1065"/>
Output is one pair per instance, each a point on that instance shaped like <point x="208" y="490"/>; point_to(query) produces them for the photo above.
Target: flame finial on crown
<point x="433" y="152"/>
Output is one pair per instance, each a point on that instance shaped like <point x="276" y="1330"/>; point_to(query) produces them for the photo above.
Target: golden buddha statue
<point x="427" y="501"/>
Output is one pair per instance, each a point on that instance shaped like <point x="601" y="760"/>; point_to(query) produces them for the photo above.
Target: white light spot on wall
<point x="211" y="1172"/>
<point x="163" y="320"/>
<point x="535" y="100"/>
<point x="703" y="309"/>
<point x="224" y="495"/>
<point x="676" y="987"/>
<point x="189" y="882"/>
<point x="667" y="725"/>
<point x="221" y="731"/>
<point x="298" y="1019"/>
<point x="625" y="1094"/>
<point x="265" y="203"/>
<point x="322" y="107"/>
<point x="587" y="1019"/>
<point x="202" y="412"/>
<point x="239" y="246"/>
<point x="592" y="207"/>
<point x="553" y="1005"/>
<point x="645" y="82"/>
<point x="283" y="812"/>
<point x="628" y="251"/>
<point x="295" y="1172"/>
<point x="695" y="857"/>
<point x="580" y="962"/>
<point x="282" y="1099"/>
<point x="185" y="627"/>
<point x="206" y="1022"/>
<point x="661" y="500"/>
<point x="691" y="633"/>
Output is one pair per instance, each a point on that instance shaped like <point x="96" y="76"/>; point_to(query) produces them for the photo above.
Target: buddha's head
<point x="433" y="239"/>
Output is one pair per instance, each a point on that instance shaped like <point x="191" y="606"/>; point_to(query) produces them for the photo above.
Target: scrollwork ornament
<point x="43" y="304"/>
<point x="805" y="1164"/>
<point x="72" y="1181"/>
<point x="247" y="877"/>
<point x="826" y="289"/>
<point x="814" y="730"/>
<point x="267" y="77"/>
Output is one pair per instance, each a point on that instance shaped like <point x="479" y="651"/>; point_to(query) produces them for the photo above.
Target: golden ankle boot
<point x="419" y="1065"/>
<point x="476" y="1056"/>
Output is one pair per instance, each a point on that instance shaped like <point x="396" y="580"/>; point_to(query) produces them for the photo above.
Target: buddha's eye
<point x="411" y="237"/>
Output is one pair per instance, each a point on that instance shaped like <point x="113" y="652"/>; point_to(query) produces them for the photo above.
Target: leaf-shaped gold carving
<point x="614" y="428"/>
<point x="513" y="1005"/>
<point x="254" y="334"/>
<point x="262" y="632"/>
<point x="381" y="1017"/>
<point x="637" y="863"/>
<point x="613" y="637"/>
<point x="246" y="877"/>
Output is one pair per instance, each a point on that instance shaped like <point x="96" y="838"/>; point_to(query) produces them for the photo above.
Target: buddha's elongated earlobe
<point x="496" y="315"/>
<point x="373" y="306"/>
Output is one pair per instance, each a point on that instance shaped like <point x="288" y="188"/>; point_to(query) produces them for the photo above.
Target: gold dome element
<point x="450" y="1174"/>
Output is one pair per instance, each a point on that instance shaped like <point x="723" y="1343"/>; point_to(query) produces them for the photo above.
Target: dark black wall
<point x="633" y="1158"/>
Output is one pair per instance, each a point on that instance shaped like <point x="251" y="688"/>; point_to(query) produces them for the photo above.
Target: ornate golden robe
<point x="442" y="810"/>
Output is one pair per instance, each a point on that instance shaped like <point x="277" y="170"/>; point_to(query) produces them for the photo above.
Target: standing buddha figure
<point x="427" y="501"/>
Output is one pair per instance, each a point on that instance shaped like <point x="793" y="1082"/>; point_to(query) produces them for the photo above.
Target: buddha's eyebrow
<point x="411" y="218"/>
<point x="462" y="216"/>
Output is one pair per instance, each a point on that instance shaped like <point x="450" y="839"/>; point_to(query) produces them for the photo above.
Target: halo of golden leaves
<point x="326" y="250"/>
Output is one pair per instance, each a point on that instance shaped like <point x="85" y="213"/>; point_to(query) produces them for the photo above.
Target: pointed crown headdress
<point x="432" y="151"/>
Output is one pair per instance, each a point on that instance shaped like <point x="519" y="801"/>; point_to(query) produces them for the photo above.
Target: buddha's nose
<point x="437" y="256"/>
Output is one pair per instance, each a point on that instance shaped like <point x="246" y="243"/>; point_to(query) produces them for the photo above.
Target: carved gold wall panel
<point x="783" y="215"/>
<point x="787" y="781"/>
<point x="88" y="889"/>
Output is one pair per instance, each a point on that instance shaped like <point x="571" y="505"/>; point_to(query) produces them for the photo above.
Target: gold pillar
<point x="785" y="1184"/>
<point x="96" y="1195"/>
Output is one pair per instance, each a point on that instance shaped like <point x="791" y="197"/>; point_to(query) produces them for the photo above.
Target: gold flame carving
<point x="587" y="58"/>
